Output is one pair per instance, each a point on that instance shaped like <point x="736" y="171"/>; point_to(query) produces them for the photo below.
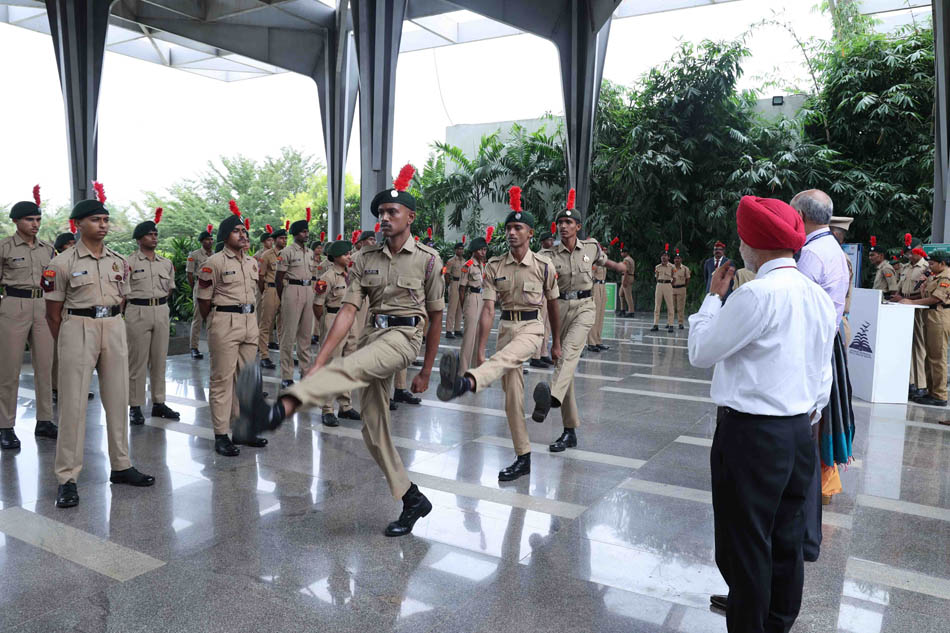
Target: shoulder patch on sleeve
<point x="205" y="269"/>
<point x="320" y="287"/>
<point x="944" y="284"/>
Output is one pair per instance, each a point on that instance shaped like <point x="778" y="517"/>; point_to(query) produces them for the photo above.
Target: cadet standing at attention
<point x="541" y="360"/>
<point x="296" y="298"/>
<point x="664" y="290"/>
<point x="266" y="244"/>
<point x="574" y="260"/>
<point x="594" y="339"/>
<point x="320" y="266"/>
<point x="473" y="275"/>
<point x="146" y="321"/>
<point x="936" y="296"/>
<point x="681" y="275"/>
<point x="626" y="282"/>
<point x="913" y="277"/>
<point x="63" y="241"/>
<point x="270" y="301"/>
<point x="85" y="288"/>
<point x="196" y="259"/>
<point x="521" y="281"/>
<point x="402" y="281"/>
<point x="885" y="279"/>
<point x="453" y="275"/>
<point x="226" y="285"/>
<point x="23" y="256"/>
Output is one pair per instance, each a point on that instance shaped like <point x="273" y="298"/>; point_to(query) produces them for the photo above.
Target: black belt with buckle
<point x="600" y="281"/>
<point x="298" y="282"/>
<point x="575" y="294"/>
<point x="663" y="281"/>
<point x="20" y="293"/>
<point x="914" y="296"/>
<point x="95" y="312"/>
<point x="387" y="320"/>
<point x="332" y="310"/>
<point x="456" y="278"/>
<point x="241" y="308"/>
<point x="271" y="284"/>
<point x="149" y="302"/>
<point x="475" y="289"/>
<point x="675" y="286"/>
<point x="515" y="315"/>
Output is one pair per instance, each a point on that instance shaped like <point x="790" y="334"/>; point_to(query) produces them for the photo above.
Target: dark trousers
<point x="811" y="547"/>
<point x="761" y="469"/>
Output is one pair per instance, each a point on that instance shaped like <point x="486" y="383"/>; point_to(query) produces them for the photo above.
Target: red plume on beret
<point x="873" y="241"/>
<point x="36" y="195"/>
<point x="554" y="227"/>
<point x="210" y="228"/>
<point x="907" y="239"/>
<point x="308" y="215"/>
<point x="571" y="197"/>
<point x="158" y="215"/>
<point x="614" y="241"/>
<point x="100" y="191"/>
<point x="622" y="247"/>
<point x="376" y="228"/>
<point x="72" y="225"/>
<point x="268" y="228"/>
<point x="666" y="248"/>
<point x="920" y="252"/>
<point x="286" y="225"/>
<point x="323" y="235"/>
<point x="247" y="223"/>
<point x="416" y="237"/>
<point x="488" y="233"/>
<point x="463" y="239"/>
<point x="677" y="251"/>
<point x="234" y="208"/>
<point x="514" y="198"/>
<point x="769" y="224"/>
<point x="339" y="236"/>
<point x="429" y="232"/>
<point x="404" y="178"/>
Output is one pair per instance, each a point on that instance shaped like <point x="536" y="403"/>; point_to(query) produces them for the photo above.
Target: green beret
<point x="24" y="209"/>
<point x="85" y="208"/>
<point x="940" y="256"/>
<point x="365" y="235"/>
<point x="520" y="216"/>
<point x="299" y="227"/>
<point x="337" y="248"/>
<point x="459" y="245"/>
<point x="572" y="214"/>
<point x="227" y="225"/>
<point x="392" y="195"/>
<point x="62" y="239"/>
<point x="476" y="244"/>
<point x="315" y="244"/>
<point x="204" y="235"/>
<point x="547" y="235"/>
<point x="142" y="229"/>
<point x="279" y="233"/>
<point x="266" y="236"/>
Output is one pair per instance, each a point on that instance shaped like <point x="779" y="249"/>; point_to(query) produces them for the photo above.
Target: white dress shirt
<point x="823" y="261"/>
<point x="770" y="343"/>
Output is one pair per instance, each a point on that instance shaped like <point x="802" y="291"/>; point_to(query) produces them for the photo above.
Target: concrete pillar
<point x="941" y="22"/>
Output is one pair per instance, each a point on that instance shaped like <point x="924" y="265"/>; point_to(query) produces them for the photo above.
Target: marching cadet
<point x="320" y="266"/>
<point x="521" y="281"/>
<point x="470" y="286"/>
<point x="681" y="276"/>
<point x="151" y="283"/>
<point x="626" y="283"/>
<point x="23" y="256"/>
<point x="663" y="272"/>
<point x="226" y="285"/>
<point x="540" y="359"/>
<point x="574" y="260"/>
<point x="594" y="339"/>
<point x="196" y="259"/>
<point x="936" y="296"/>
<point x="913" y="277"/>
<point x="885" y="279"/>
<point x="453" y="275"/>
<point x="296" y="296"/>
<point x="270" y="301"/>
<point x="85" y="288"/>
<point x="402" y="282"/>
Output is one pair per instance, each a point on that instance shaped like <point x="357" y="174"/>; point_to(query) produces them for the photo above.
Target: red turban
<point x="769" y="224"/>
<point x="920" y="252"/>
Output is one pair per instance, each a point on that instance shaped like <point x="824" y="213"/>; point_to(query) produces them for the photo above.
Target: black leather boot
<point x="542" y="401"/>
<point x="567" y="440"/>
<point x="136" y="416"/>
<point x="521" y="466"/>
<point x="414" y="507"/>
<point x="8" y="439"/>
<point x="45" y="428"/>
<point x="161" y="410"/>
<point x="267" y="363"/>
<point x="403" y="395"/>
<point x="350" y="414"/>
<point x="67" y="495"/>
<point x="131" y="477"/>
<point x="195" y="354"/>
<point x="224" y="446"/>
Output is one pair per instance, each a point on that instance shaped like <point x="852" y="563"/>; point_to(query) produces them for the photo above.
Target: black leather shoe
<point x="681" y="326"/>
<point x="521" y="466"/>
<point x="912" y="391"/>
<point x="931" y="401"/>
<point x="8" y="439"/>
<point x="567" y="440"/>
<point x="417" y="363"/>
<point x="253" y="442"/>
<point x="267" y="363"/>
<point x="286" y="383"/>
<point x="403" y="395"/>
<point x="67" y="495"/>
<point x="392" y="405"/>
<point x="350" y="414"/>
<point x="603" y="347"/>
<point x="593" y="348"/>
<point x="131" y="477"/>
<point x="195" y="354"/>
<point x="136" y="417"/>
<point x="458" y="333"/>
<point x="669" y="328"/>
<point x="655" y="329"/>
<point x="718" y="602"/>
<point x="256" y="414"/>
<point x="161" y="410"/>
<point x="330" y="420"/>
<point x="542" y="401"/>
<point x="451" y="384"/>
<point x="90" y="396"/>
<point x="45" y="428"/>
<point x="547" y="360"/>
<point x="273" y="346"/>
<point x="224" y="446"/>
<point x="296" y="362"/>
<point x="537" y="362"/>
<point x="449" y="335"/>
<point x="414" y="507"/>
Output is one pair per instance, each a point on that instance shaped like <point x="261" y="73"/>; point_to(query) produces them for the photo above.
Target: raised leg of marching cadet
<point x="269" y="305"/>
<point x="298" y="322"/>
<point x="196" y="321"/>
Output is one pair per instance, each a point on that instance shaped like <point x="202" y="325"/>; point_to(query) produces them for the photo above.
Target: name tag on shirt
<point x="139" y="270"/>
<point x="370" y="272"/>
<point x="229" y="272"/>
<point x="500" y="278"/>
<point x="80" y="273"/>
<point x="18" y="259"/>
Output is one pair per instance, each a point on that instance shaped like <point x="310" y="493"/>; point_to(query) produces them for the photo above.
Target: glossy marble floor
<point x="614" y="536"/>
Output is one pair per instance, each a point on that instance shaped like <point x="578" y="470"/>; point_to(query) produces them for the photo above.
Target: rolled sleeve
<point x="354" y="292"/>
<point x="488" y="284"/>
<point x="207" y="278"/>
<point x="58" y="281"/>
<point x="434" y="286"/>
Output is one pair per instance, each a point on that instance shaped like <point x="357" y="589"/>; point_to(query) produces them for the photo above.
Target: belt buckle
<point x="101" y="312"/>
<point x="571" y="295"/>
<point x="516" y="315"/>
<point x="381" y="320"/>
<point x="245" y="308"/>
<point x="37" y="293"/>
<point x="153" y="302"/>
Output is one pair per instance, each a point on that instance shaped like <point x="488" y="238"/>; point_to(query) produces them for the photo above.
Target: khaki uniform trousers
<point x="100" y="345"/>
<point x="664" y="294"/>
<point x="577" y="318"/>
<point x="343" y="398"/>
<point x="400" y="380"/>
<point x="542" y="351"/>
<point x="626" y="293"/>
<point x="453" y="318"/>
<point x="517" y="342"/>
<point x="232" y="339"/>
<point x="471" y="312"/>
<point x="938" y="331"/>
<point x="296" y="305"/>
<point x="23" y="320"/>
<point x="269" y="305"/>
<point x="147" y="332"/>
<point x="382" y="352"/>
<point x="918" y="371"/>
<point x="679" y="304"/>
<point x="600" y="300"/>
<point x="196" y="319"/>
<point x="846" y="328"/>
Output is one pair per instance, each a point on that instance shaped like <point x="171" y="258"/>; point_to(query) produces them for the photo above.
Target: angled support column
<point x="79" y="29"/>
<point x="377" y="27"/>
<point x="337" y="78"/>
<point x="941" y="22"/>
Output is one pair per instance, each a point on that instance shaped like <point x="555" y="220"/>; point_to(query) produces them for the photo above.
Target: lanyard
<point x="815" y="237"/>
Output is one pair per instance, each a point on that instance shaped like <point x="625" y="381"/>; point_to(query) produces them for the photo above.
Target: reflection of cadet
<point x="23" y="319"/>
<point x="270" y="301"/>
<point x="913" y="277"/>
<point x="520" y="281"/>
<point x="151" y="283"/>
<point x="681" y="275"/>
<point x="595" y="342"/>
<point x="936" y="296"/>
<point x="885" y="279"/>
<point x="453" y="275"/>
<point x="626" y="283"/>
<point x="196" y="259"/>
<point x="541" y="358"/>
<point x="296" y="296"/>
<point x="663" y="272"/>
<point x="401" y="280"/>
<point x="84" y="289"/>
<point x="473" y="275"/>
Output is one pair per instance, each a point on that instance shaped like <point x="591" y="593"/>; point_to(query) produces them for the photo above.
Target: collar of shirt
<point x="141" y="255"/>
<point x="84" y="251"/>
<point x="816" y="232"/>
<point x="527" y="261"/>
<point x="232" y="254"/>
<point x="19" y="241"/>
<point x="408" y="246"/>
<point x="781" y="262"/>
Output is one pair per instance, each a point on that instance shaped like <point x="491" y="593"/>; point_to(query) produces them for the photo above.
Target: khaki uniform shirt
<point x="743" y="276"/>
<point x="150" y="279"/>
<point x="520" y="285"/>
<point x="663" y="272"/>
<point x="575" y="269"/>
<point x="195" y="260"/>
<point x="297" y="262"/>
<point x="453" y="268"/>
<point x="331" y="287"/>
<point x="600" y="273"/>
<point x="21" y="266"/>
<point x="320" y="267"/>
<point x="847" y="297"/>
<point x="268" y="265"/>
<point x="472" y="274"/>
<point x="939" y="286"/>
<point x="911" y="282"/>
<point x="228" y="278"/>
<point x="406" y="283"/>
<point x="627" y="279"/>
<point x="885" y="279"/>
<point x="681" y="276"/>
<point x="79" y="280"/>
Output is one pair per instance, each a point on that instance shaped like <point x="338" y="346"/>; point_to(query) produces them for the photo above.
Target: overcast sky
<point x="157" y="124"/>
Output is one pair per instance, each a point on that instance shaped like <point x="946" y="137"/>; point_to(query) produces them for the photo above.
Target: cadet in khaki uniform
<point x="595" y="341"/>
<point x="913" y="277"/>
<point x="266" y="244"/>
<point x="85" y="288"/>
<point x="574" y="259"/>
<point x="663" y="272"/>
<point x="453" y="275"/>
<point x="681" y="276"/>
<point x="402" y="282"/>
<point x="320" y="266"/>
<point x="364" y="239"/>
<point x="295" y="266"/>
<point x="196" y="260"/>
<point x="626" y="283"/>
<point x="885" y="279"/>
<point x="470" y="287"/>
<point x="23" y="257"/>
<point x="151" y="283"/>
<point x="936" y="296"/>
<point x="270" y="301"/>
<point x="521" y="282"/>
<point x="839" y="226"/>
<point x="541" y="359"/>
<point x="226" y="285"/>
<point x="63" y="241"/>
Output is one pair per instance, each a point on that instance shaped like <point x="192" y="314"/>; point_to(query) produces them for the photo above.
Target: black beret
<point x="142" y="229"/>
<point x="476" y="244"/>
<point x="392" y="195"/>
<point x="365" y="235"/>
<point x="266" y="236"/>
<point x="459" y="245"/>
<point x="24" y="209"/>
<point x="520" y="216"/>
<point x="204" y="235"/>
<point x="85" y="208"/>
<point x="227" y="225"/>
<point x="940" y="256"/>
<point x="315" y="244"/>
<point x="337" y="248"/>
<point x="572" y="214"/>
<point x="279" y="233"/>
<point x="62" y="239"/>
<point x="299" y="227"/>
<point x="547" y="235"/>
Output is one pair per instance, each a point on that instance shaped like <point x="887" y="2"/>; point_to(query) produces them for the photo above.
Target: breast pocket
<point x="413" y="288"/>
<point x="165" y="281"/>
<point x="532" y="292"/>
<point x="371" y="281"/>
<point x="15" y="262"/>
